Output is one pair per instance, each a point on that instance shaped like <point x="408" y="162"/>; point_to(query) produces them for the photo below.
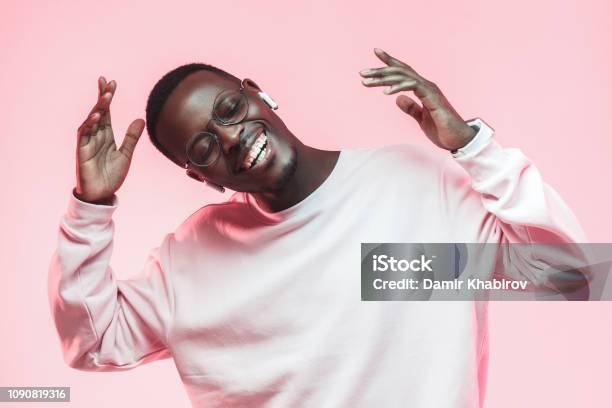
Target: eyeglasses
<point x="230" y="108"/>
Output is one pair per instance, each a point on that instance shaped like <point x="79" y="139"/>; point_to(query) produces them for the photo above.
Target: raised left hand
<point x="438" y="119"/>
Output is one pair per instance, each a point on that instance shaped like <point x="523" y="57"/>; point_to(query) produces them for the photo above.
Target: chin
<point x="286" y="171"/>
<point x="279" y="173"/>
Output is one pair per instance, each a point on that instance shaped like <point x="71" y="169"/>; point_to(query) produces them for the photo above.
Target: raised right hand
<point x="101" y="167"/>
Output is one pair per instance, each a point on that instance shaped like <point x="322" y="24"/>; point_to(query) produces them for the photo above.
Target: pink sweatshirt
<point x="262" y="309"/>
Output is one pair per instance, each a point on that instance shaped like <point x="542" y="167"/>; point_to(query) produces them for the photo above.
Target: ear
<point x="250" y="84"/>
<point x="194" y="175"/>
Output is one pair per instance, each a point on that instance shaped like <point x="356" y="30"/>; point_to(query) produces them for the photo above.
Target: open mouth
<point x="257" y="153"/>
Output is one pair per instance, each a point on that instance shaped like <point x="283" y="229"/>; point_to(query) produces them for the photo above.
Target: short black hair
<point x="161" y="92"/>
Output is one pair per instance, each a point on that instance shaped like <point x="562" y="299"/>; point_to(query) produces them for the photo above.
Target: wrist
<point x="482" y="139"/>
<point x="467" y="136"/>
<point x="102" y="201"/>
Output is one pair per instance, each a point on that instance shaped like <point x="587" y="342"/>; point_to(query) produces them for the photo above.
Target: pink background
<point x="537" y="71"/>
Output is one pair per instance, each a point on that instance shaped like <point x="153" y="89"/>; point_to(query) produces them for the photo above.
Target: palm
<point x="438" y="124"/>
<point x="101" y="167"/>
<point x="428" y="124"/>
<point x="100" y="160"/>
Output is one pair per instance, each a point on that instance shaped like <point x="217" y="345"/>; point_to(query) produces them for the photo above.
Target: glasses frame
<point x="221" y="123"/>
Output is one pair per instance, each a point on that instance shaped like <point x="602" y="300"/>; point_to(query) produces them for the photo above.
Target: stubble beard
<point x="287" y="173"/>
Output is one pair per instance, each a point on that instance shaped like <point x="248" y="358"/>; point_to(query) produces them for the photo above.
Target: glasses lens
<point x="231" y="107"/>
<point x="204" y="150"/>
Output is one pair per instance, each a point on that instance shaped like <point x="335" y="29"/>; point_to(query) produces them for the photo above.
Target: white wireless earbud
<point x="201" y="179"/>
<point x="214" y="186"/>
<point x="269" y="101"/>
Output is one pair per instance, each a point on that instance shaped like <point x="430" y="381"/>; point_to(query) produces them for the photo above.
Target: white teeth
<point x="254" y="151"/>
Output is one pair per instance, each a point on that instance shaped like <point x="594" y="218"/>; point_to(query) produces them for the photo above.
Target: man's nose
<point x="229" y="136"/>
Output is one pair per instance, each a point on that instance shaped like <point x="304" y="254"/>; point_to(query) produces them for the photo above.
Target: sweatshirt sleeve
<point x="105" y="324"/>
<point x="497" y="195"/>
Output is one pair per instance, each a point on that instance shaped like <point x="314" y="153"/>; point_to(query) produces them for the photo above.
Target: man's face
<point x="188" y="111"/>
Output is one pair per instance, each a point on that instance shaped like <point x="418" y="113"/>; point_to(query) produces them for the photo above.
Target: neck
<point x="313" y="168"/>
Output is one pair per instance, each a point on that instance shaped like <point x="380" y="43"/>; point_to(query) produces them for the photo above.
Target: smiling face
<point x="188" y="112"/>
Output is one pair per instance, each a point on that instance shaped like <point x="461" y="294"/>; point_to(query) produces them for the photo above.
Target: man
<point x="257" y="299"/>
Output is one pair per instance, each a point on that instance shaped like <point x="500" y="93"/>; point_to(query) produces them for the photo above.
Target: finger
<point x="84" y="131"/>
<point x="101" y="103"/>
<point x="402" y="86"/>
<point x="90" y="125"/>
<point x="102" y="107"/>
<point x="376" y="72"/>
<point x="105" y="92"/>
<point x="388" y="59"/>
<point x="101" y="85"/>
<point x="106" y="117"/>
<point x="94" y="128"/>
<point x="428" y="93"/>
<point x="410" y="106"/>
<point x="394" y="62"/>
<point x="386" y="80"/>
<point x="105" y="86"/>
<point x="112" y="86"/>
<point x="89" y="121"/>
<point x="132" y="136"/>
